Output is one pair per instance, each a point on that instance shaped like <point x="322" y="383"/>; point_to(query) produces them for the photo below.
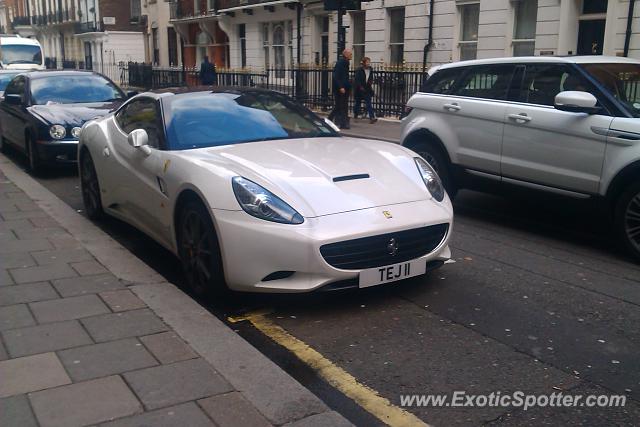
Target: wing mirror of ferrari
<point x="331" y="125"/>
<point x="139" y="139"/>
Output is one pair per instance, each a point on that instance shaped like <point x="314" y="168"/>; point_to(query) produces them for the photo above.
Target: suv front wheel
<point x="627" y="217"/>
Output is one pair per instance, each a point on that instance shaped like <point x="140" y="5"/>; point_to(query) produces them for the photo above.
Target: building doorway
<point x="591" y="27"/>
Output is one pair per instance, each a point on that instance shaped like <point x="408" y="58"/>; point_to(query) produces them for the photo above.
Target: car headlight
<point x="431" y="179"/>
<point x="57" y="131"/>
<point x="261" y="203"/>
<point x="75" y="132"/>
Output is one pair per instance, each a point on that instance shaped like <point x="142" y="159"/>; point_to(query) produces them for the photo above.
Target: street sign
<point x="342" y="4"/>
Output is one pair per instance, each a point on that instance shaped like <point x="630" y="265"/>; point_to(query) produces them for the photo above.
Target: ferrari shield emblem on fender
<point x="387" y="214"/>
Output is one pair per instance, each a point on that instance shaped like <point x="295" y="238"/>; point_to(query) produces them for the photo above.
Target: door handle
<point x="451" y="107"/>
<point x="522" y="117"/>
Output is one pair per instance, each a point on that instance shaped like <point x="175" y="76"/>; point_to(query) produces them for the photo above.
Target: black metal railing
<point x="393" y="86"/>
<point x="21" y="20"/>
<point x="88" y="27"/>
<point x="50" y="63"/>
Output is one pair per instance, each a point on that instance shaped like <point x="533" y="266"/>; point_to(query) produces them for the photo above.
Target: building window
<point x="524" y="30"/>
<point x="290" y="42"/>
<point x="278" y="49"/>
<point x="156" y="49"/>
<point x="469" y="17"/>
<point x="358" y="28"/>
<point x="135" y="10"/>
<point x="322" y="56"/>
<point x="396" y="35"/>
<point x="242" y="35"/>
<point x="594" y="6"/>
<point x="173" y="46"/>
<point x="265" y="45"/>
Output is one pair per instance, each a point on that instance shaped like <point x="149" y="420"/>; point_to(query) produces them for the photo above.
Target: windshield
<point x="208" y="119"/>
<point x="21" y="54"/>
<point x="5" y="78"/>
<point x="622" y="81"/>
<point x="74" y="89"/>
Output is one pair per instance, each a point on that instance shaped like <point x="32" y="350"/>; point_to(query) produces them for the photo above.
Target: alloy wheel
<point x="197" y="251"/>
<point x="90" y="187"/>
<point x="632" y="222"/>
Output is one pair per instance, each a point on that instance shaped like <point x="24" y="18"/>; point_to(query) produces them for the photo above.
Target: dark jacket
<point x="362" y="86"/>
<point x="341" y="75"/>
<point x="207" y="73"/>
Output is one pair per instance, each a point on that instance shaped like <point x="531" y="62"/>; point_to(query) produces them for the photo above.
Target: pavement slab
<point x="15" y="316"/>
<point x="15" y="411"/>
<point x="102" y="400"/>
<point x="326" y="419"/>
<point x="168" y="347"/>
<point x="16" y="260"/>
<point x="31" y="373"/>
<point x="87" y="285"/>
<point x="42" y="272"/>
<point x="176" y="383"/>
<point x="30" y="292"/>
<point x="88" y="268"/>
<point x="43" y="338"/>
<point x="123" y="300"/>
<point x="187" y="414"/>
<point x="27" y="245"/>
<point x="109" y="327"/>
<point x="61" y="309"/>
<point x="101" y="360"/>
<point x="233" y="410"/>
<point x="61" y="256"/>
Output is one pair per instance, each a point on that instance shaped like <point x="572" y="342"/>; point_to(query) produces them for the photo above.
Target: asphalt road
<point x="539" y="300"/>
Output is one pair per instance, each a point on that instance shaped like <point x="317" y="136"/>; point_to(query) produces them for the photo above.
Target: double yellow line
<point x="366" y="397"/>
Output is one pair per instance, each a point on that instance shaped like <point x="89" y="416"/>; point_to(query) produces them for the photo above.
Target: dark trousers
<point x="358" y="104"/>
<point x="340" y="113"/>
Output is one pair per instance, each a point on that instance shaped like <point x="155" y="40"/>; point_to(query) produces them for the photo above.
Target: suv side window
<point x="442" y="81"/>
<point x="141" y="114"/>
<point x="486" y="81"/>
<point x="542" y="82"/>
<point x="16" y="87"/>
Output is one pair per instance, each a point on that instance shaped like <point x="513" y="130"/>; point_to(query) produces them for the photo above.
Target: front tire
<point x="438" y="161"/>
<point x="199" y="251"/>
<point x="627" y="219"/>
<point x="35" y="164"/>
<point x="90" y="187"/>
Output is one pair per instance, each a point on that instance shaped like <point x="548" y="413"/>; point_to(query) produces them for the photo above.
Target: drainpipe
<point x="427" y="47"/>
<point x="627" y="35"/>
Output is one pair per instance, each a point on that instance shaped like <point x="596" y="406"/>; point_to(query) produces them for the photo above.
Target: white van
<point x="19" y="53"/>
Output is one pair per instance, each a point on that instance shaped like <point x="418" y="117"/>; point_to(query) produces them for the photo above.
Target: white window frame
<point x="514" y="40"/>
<point x="458" y="42"/>
<point x="390" y="44"/>
<point x="364" y="37"/>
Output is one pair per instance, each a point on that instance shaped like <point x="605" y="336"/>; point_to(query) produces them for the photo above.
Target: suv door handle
<point x="522" y="117"/>
<point x="451" y="107"/>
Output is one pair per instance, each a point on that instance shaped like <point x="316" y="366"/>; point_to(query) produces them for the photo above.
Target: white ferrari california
<point x="254" y="192"/>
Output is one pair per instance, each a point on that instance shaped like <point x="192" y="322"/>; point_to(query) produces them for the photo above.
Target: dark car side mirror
<point x="131" y="93"/>
<point x="13" y="99"/>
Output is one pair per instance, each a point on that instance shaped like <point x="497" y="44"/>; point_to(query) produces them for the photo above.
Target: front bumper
<point x="253" y="249"/>
<point x="56" y="152"/>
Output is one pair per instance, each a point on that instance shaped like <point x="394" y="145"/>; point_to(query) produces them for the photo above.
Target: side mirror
<point x="13" y="99"/>
<point x="131" y="93"/>
<point x="139" y="139"/>
<point x="331" y="125"/>
<point x="576" y="102"/>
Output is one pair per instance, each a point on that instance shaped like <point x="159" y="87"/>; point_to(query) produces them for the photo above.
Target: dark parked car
<point x="43" y="112"/>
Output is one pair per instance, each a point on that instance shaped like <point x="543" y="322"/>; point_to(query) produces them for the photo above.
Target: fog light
<point x="75" y="132"/>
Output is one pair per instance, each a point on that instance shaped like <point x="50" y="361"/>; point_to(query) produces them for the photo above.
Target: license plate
<point x="391" y="273"/>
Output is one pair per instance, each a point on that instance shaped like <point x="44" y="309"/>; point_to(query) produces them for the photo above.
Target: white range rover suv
<point x="568" y="125"/>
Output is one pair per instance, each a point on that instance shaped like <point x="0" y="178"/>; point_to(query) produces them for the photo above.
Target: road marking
<point x="366" y="397"/>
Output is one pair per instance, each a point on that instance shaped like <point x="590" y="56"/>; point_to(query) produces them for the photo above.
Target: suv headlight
<point x="75" y="132"/>
<point x="261" y="203"/>
<point x="57" y="132"/>
<point x="431" y="179"/>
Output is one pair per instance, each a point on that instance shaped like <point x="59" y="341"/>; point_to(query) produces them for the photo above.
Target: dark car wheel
<point x="90" y="187"/>
<point x="627" y="217"/>
<point x="199" y="251"/>
<point x="438" y="161"/>
<point x="35" y="164"/>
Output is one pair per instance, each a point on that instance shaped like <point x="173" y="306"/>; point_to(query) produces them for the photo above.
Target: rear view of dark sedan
<point x="42" y="112"/>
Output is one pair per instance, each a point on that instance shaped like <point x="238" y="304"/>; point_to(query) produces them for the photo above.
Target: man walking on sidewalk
<point x="341" y="89"/>
<point x="363" y="89"/>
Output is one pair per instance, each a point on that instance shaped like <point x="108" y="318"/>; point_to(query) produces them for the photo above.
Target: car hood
<point x="72" y="114"/>
<point x="323" y="176"/>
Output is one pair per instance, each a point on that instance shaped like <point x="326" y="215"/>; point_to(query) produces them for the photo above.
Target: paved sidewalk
<point x="384" y="129"/>
<point x="81" y="346"/>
